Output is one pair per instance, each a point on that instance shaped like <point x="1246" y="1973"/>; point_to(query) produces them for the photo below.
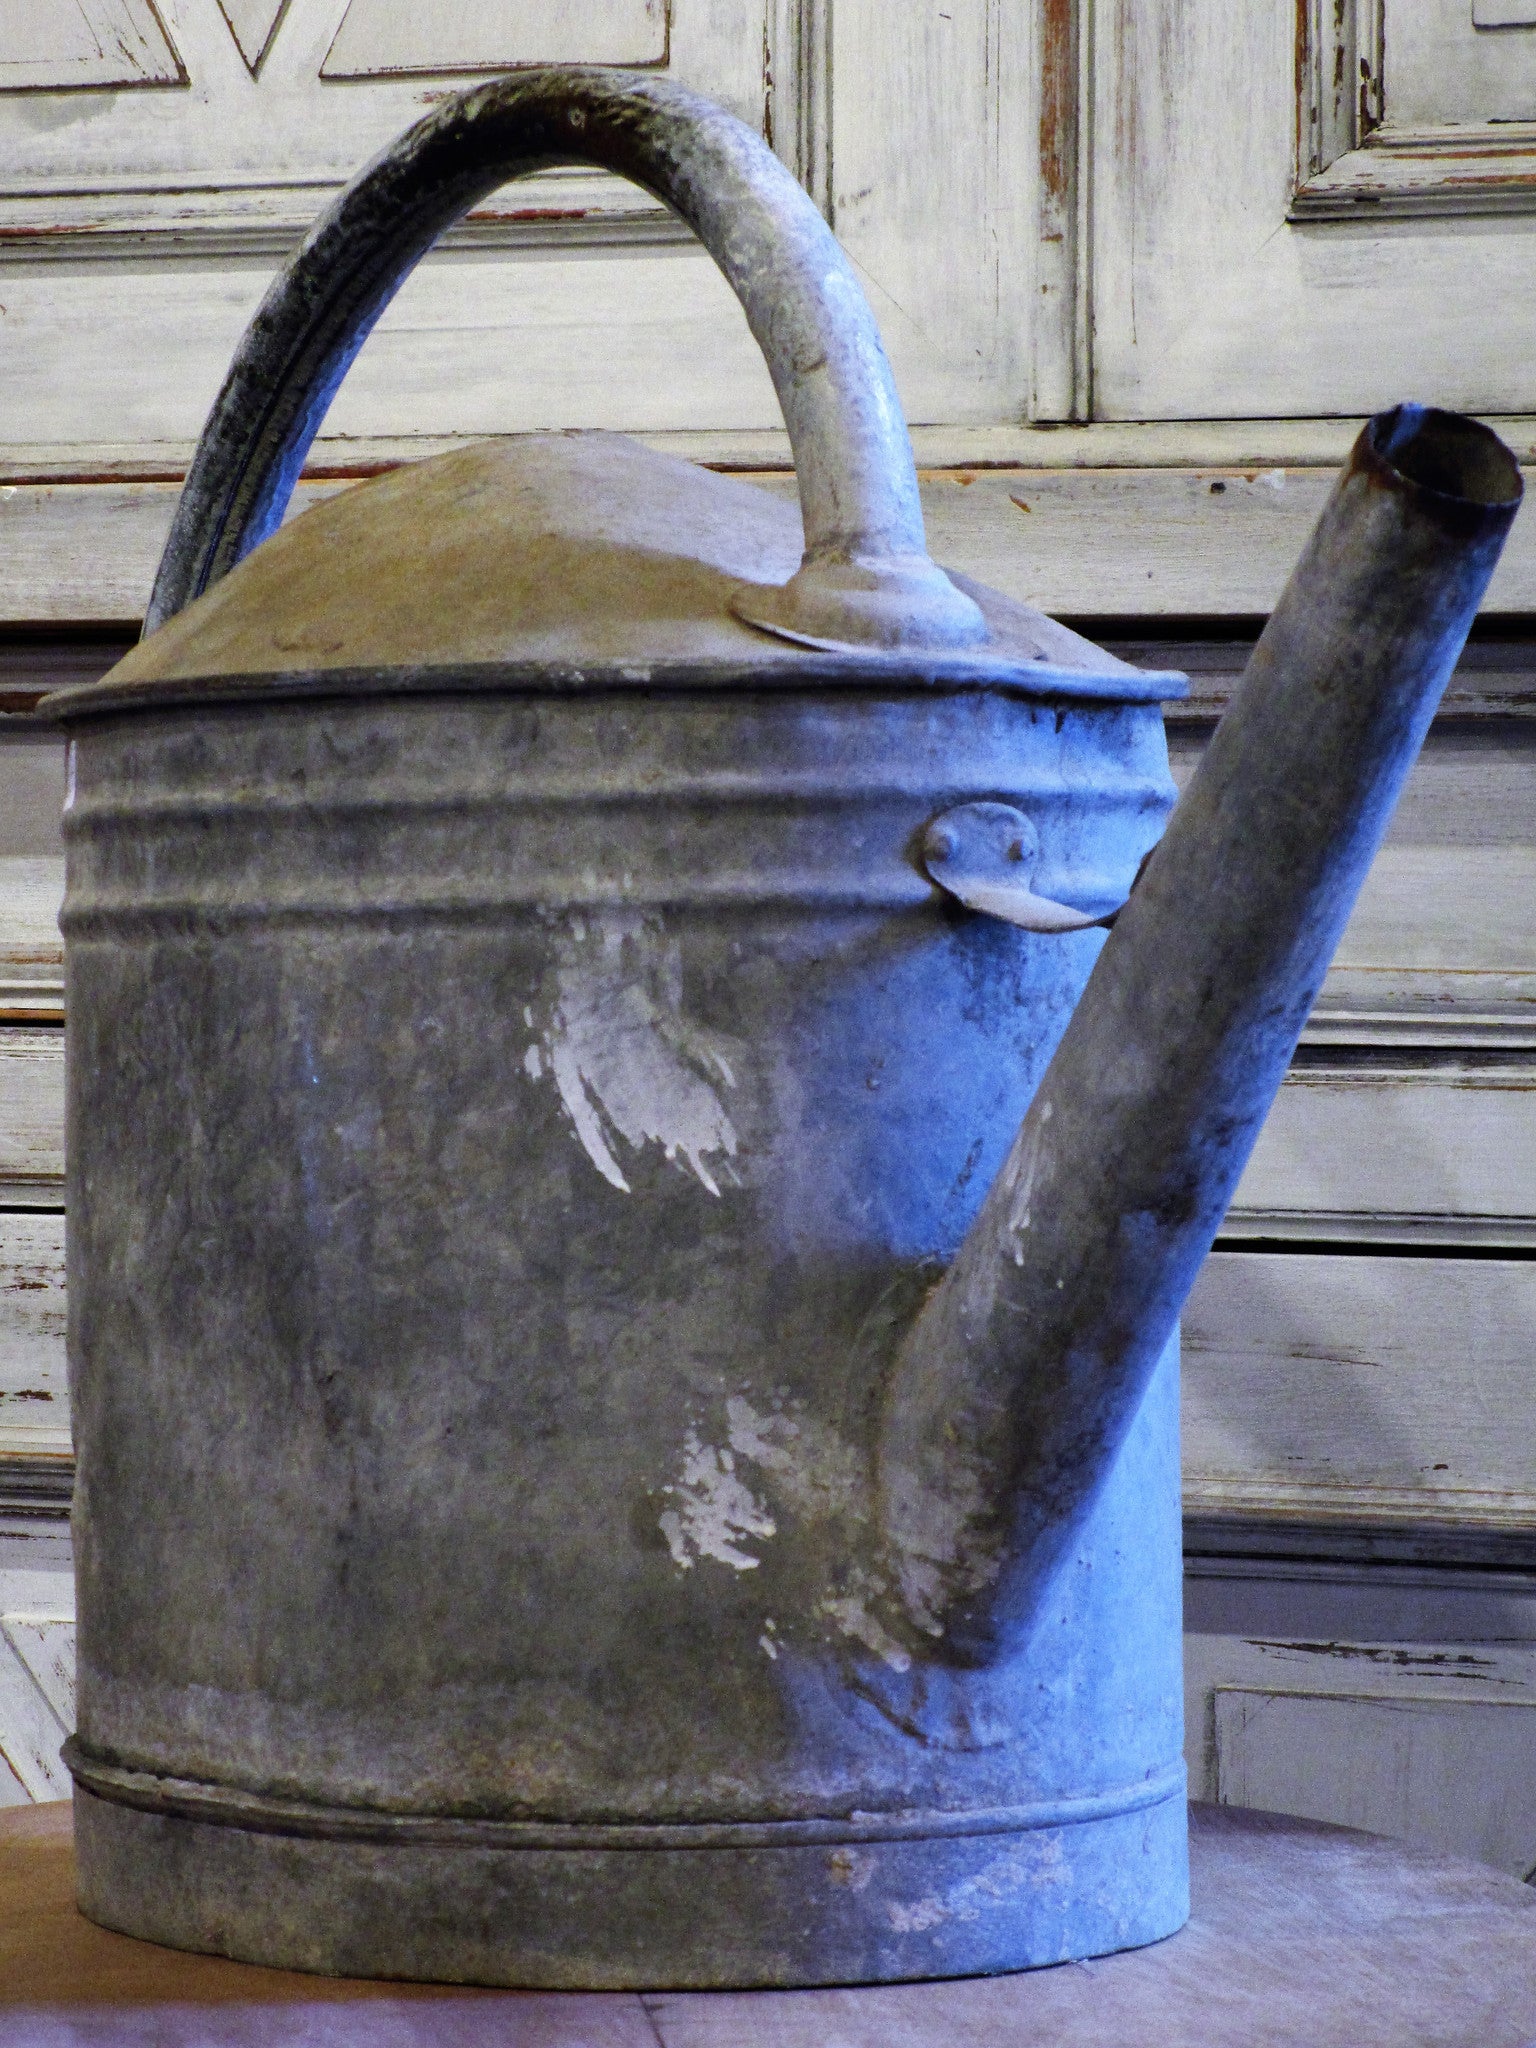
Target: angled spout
<point x="1014" y="1390"/>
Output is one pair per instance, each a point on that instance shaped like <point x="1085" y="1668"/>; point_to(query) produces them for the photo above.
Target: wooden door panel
<point x="1265" y="244"/>
<point x="379" y="38"/>
<point x="332" y="82"/>
<point x="67" y="44"/>
<point x="1426" y="1735"/>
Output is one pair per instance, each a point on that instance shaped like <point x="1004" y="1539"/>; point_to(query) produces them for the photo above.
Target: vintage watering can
<point x="612" y="1450"/>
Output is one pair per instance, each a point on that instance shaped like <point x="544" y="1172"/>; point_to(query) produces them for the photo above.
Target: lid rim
<point x="905" y="673"/>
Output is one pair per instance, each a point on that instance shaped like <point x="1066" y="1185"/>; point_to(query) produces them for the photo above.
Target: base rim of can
<point x="792" y="1915"/>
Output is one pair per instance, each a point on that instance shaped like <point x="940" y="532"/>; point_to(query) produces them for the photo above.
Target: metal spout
<point x="1012" y="1394"/>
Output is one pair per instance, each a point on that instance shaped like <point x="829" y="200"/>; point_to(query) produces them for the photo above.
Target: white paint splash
<point x="855" y="1619"/>
<point x="815" y="1471"/>
<point x="625" y="1058"/>
<point x="1020" y="1175"/>
<point x="997" y="1883"/>
<point x="714" y="1510"/>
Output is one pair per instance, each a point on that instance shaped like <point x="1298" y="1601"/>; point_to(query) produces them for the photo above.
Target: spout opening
<point x="1446" y="453"/>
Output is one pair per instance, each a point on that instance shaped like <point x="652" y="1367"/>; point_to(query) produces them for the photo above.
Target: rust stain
<point x="1020" y="503"/>
<point x="522" y="213"/>
<point x="1057" y="102"/>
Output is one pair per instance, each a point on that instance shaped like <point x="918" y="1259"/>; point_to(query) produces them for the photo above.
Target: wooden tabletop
<point x="1303" y="1936"/>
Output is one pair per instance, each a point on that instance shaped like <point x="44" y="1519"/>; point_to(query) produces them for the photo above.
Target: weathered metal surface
<point x="524" y="1086"/>
<point x="1012" y="1392"/>
<point x="508" y="1136"/>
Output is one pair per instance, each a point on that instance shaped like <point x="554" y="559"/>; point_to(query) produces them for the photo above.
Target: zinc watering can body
<point x="580" y="1482"/>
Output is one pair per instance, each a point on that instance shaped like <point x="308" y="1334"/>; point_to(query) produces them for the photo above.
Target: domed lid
<point x="554" y="562"/>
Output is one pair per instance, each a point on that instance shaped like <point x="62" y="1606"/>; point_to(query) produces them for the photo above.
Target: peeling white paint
<point x="918" y="1917"/>
<point x="533" y="1062"/>
<point x="816" y="1471"/>
<point x="855" y="1619"/>
<point x="625" y="1059"/>
<point x="714" y="1510"/>
<point x="1022" y="1172"/>
<point x="995" y="1884"/>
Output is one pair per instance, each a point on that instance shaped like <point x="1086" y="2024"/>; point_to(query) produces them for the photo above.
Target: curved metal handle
<point x="866" y="579"/>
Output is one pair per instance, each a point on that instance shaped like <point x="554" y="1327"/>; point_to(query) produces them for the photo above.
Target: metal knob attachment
<point x="985" y="856"/>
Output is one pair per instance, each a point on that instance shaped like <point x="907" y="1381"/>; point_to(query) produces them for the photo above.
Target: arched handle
<point x="865" y="580"/>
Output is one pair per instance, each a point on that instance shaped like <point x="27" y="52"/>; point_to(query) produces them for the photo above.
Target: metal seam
<point x="192" y="1799"/>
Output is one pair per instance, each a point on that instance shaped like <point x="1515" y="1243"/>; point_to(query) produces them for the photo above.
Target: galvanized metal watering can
<point x="623" y="1277"/>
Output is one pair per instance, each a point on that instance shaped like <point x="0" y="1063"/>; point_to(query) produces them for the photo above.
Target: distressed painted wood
<point x="1396" y="1766"/>
<point x="1208" y="300"/>
<point x="37" y="1664"/>
<point x="31" y="1118"/>
<point x="31" y="946"/>
<point x="1440" y="949"/>
<point x="276" y="112"/>
<point x="1427" y="1739"/>
<point x="1104" y="444"/>
<point x="378" y="40"/>
<point x="1446" y="128"/>
<point x="1361" y="1389"/>
<point x="36" y="1660"/>
<point x="74" y="44"/>
<point x="290" y="102"/>
<point x="34" y="1389"/>
<point x="945" y="258"/>
<point x="1396" y="1154"/>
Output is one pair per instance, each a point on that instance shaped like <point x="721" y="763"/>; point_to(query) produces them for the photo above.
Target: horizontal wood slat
<point x="1120" y="543"/>
<point x="1362" y="1390"/>
<point x="1399" y="1154"/>
<point x="31" y="949"/>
